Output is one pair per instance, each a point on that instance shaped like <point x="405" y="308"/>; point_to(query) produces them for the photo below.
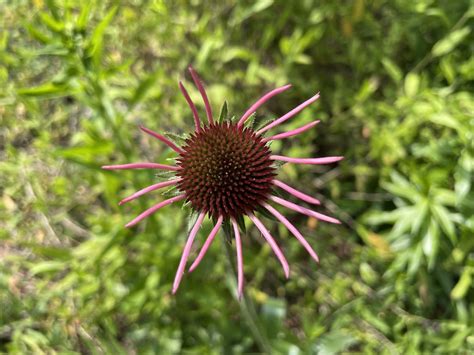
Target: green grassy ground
<point x="396" y="78"/>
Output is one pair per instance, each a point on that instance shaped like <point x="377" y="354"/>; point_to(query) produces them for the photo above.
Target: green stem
<point x="247" y="307"/>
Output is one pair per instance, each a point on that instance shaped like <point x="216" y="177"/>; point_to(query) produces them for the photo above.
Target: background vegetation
<point x="396" y="77"/>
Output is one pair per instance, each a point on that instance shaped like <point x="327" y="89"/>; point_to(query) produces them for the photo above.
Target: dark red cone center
<point x="225" y="170"/>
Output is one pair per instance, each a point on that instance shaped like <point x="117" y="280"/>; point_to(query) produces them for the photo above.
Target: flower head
<point x="226" y="170"/>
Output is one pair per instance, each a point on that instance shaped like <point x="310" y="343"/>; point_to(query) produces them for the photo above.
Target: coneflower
<point x="226" y="170"/>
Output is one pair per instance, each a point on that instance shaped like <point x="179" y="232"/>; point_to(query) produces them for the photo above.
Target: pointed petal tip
<point x="121" y="202"/>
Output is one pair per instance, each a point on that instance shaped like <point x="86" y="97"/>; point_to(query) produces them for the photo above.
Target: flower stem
<point x="247" y="306"/>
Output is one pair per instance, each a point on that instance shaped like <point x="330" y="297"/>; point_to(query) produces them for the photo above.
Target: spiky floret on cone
<point x="226" y="170"/>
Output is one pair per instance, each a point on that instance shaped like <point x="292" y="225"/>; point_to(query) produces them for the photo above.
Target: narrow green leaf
<point x="444" y="197"/>
<point x="451" y="41"/>
<point x="422" y="209"/>
<point x="245" y="12"/>
<point x="412" y="83"/>
<point x="97" y="38"/>
<point x="37" y="34"/>
<point x="392" y="70"/>
<point x="415" y="260"/>
<point x="445" y="119"/>
<point x="431" y="243"/>
<point x="47" y="267"/>
<point x="47" y="89"/>
<point x="464" y="176"/>
<point x="143" y="88"/>
<point x="224" y="113"/>
<point x="51" y="252"/>
<point x="463" y="285"/>
<point x="53" y="8"/>
<point x="241" y="223"/>
<point x="408" y="192"/>
<point x="442" y="215"/>
<point x="83" y="17"/>
<point x="53" y="24"/>
<point x="404" y="223"/>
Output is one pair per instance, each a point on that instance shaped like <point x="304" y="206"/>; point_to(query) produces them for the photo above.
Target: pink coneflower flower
<point x="226" y="170"/>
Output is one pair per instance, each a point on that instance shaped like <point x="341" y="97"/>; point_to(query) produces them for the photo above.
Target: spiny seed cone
<point x="225" y="170"/>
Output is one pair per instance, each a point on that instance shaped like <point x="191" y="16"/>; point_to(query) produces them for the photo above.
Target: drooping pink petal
<point x="290" y="114"/>
<point x="153" y="209"/>
<point x="202" y="90"/>
<point x="141" y="166"/>
<point x="303" y="210"/>
<point x="207" y="244"/>
<point x="163" y="139"/>
<point x="291" y="133"/>
<point x="276" y="249"/>
<point x="187" y="249"/>
<point x="240" y="262"/>
<point x="148" y="189"/>
<point x="293" y="230"/>
<point x="296" y="193"/>
<point x="190" y="102"/>
<point x="260" y="102"/>
<point x="312" y="161"/>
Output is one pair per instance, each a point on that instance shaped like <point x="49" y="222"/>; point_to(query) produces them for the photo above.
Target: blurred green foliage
<point x="396" y="79"/>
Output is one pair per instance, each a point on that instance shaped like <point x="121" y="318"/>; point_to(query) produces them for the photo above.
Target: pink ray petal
<point x="240" y="263"/>
<point x="140" y="166"/>
<point x="202" y="90"/>
<point x="291" y="133"/>
<point x="276" y="249"/>
<point x="303" y="210"/>
<point x="293" y="230"/>
<point x="313" y="161"/>
<point x="190" y="102"/>
<point x="187" y="249"/>
<point x="148" y="189"/>
<point x="296" y="193"/>
<point x="207" y="244"/>
<point x="163" y="139"/>
<point x="260" y="102"/>
<point x="290" y="114"/>
<point x="153" y="209"/>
